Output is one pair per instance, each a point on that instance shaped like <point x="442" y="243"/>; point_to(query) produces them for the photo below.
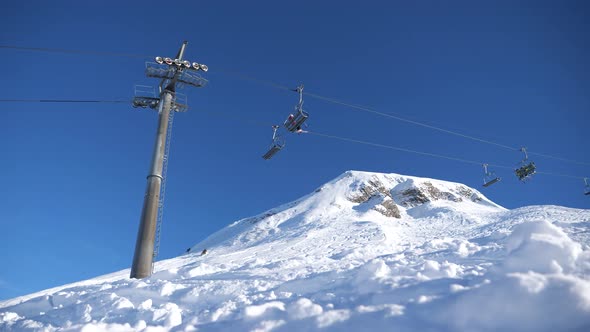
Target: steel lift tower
<point x="173" y="73"/>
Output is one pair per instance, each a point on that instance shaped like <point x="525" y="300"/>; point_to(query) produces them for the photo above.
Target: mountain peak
<point x="407" y="191"/>
<point x="379" y="197"/>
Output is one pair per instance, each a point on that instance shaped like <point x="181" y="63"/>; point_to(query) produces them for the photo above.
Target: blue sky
<point x="511" y="72"/>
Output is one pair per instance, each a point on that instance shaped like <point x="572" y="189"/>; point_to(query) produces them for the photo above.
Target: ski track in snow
<point x="326" y="263"/>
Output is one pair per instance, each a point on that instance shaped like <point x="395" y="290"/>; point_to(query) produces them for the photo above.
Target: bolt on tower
<point x="173" y="73"/>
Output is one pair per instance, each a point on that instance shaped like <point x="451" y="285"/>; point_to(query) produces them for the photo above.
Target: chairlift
<point x="294" y="121"/>
<point x="586" y="187"/>
<point x="526" y="169"/>
<point x="489" y="178"/>
<point x="277" y="144"/>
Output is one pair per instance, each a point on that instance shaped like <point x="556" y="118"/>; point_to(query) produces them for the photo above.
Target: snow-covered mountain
<point x="364" y="252"/>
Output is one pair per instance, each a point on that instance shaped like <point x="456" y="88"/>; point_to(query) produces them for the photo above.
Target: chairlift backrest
<point x="294" y="121"/>
<point x="525" y="171"/>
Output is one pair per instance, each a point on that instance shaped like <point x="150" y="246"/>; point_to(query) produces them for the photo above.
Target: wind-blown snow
<point x="341" y="259"/>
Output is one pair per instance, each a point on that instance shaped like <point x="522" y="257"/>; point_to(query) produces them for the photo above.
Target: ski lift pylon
<point x="294" y="121"/>
<point x="277" y="144"/>
<point x="489" y="178"/>
<point x="526" y="169"/>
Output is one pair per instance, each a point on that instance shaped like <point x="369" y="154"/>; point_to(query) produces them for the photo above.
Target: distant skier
<point x="204" y="252"/>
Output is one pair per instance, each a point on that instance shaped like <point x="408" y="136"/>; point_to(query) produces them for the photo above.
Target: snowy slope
<point x="364" y="252"/>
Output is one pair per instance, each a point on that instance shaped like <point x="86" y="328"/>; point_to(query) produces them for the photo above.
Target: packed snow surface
<point x="364" y="252"/>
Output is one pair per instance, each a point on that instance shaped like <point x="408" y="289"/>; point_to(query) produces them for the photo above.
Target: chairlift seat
<point x="298" y="119"/>
<point x="491" y="182"/>
<point x="272" y="151"/>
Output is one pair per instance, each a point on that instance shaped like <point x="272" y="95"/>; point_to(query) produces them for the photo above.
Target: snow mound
<point x="540" y="285"/>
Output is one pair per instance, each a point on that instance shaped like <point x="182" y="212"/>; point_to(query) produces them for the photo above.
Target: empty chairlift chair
<point x="294" y="121"/>
<point x="277" y="144"/>
<point x="489" y="178"/>
<point x="586" y="187"/>
<point x="526" y="169"/>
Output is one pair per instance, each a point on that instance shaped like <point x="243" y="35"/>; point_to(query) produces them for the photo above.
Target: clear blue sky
<point x="512" y="72"/>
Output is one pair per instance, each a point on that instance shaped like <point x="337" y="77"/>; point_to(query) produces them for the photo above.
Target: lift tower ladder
<point x="163" y="189"/>
<point x="173" y="73"/>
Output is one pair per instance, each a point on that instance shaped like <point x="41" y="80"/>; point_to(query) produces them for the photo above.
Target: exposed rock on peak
<point x="393" y="190"/>
<point x="427" y="192"/>
<point x="372" y="189"/>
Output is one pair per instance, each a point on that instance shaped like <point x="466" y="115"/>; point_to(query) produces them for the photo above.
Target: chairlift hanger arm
<point x="300" y="90"/>
<point x="526" y="156"/>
